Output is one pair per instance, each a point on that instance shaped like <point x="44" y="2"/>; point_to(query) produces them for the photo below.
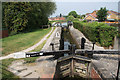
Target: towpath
<point x="21" y="54"/>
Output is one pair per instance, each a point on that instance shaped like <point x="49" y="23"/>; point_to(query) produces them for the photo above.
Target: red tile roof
<point x="57" y="18"/>
<point x="114" y="12"/>
<point x="95" y="11"/>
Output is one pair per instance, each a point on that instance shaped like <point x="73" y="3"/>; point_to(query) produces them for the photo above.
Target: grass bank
<point x="22" y="41"/>
<point x="6" y="74"/>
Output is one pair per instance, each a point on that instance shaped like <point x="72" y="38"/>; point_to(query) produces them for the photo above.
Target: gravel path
<point x="54" y="38"/>
<point x="21" y="54"/>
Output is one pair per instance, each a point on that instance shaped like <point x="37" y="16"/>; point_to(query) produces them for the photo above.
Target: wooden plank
<point x="62" y="63"/>
<point x="82" y="58"/>
<point x="64" y="58"/>
<point x="72" y="68"/>
<point x="65" y="72"/>
<point x="80" y="67"/>
<point x="80" y="74"/>
<point x="65" y="67"/>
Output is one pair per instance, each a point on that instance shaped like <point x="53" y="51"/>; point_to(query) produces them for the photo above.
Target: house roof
<point x="95" y="11"/>
<point x="91" y="16"/>
<point x="58" y="18"/>
<point x="114" y="12"/>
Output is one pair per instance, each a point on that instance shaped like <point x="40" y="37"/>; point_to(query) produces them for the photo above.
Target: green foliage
<point x="84" y="20"/>
<point x="102" y="14"/>
<point x="76" y="19"/>
<point x="23" y="16"/>
<point x="73" y="13"/>
<point x="30" y="59"/>
<point x="97" y="32"/>
<point x="82" y="16"/>
<point x="70" y="18"/>
<point x="78" y="16"/>
<point x="22" y="41"/>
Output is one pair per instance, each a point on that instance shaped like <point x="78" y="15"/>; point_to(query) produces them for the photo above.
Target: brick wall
<point x="95" y="75"/>
<point x="3" y="33"/>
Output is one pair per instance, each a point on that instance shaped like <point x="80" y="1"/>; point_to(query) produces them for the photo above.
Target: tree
<point x="78" y="16"/>
<point x="60" y="15"/>
<point x="73" y="13"/>
<point x="102" y="14"/>
<point x="82" y="16"/>
<point x="21" y="16"/>
<point x="70" y="18"/>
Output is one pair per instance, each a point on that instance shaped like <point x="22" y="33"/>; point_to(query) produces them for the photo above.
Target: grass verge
<point x="22" y="41"/>
<point x="6" y="74"/>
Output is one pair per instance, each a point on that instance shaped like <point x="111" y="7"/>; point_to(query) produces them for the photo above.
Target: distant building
<point x="113" y="15"/>
<point x="93" y="17"/>
<point x="56" y="18"/>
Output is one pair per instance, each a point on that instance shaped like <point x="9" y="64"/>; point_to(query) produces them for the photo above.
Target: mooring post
<point x="52" y="44"/>
<point x="93" y="45"/>
<point x="62" y="39"/>
<point x="83" y="40"/>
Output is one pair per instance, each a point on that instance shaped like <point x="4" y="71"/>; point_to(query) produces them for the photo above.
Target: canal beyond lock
<point x="68" y="40"/>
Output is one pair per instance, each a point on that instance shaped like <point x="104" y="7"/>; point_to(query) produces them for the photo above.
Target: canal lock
<point x="68" y="43"/>
<point x="66" y="40"/>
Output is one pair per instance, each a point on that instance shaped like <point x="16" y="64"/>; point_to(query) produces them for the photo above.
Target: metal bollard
<point x="93" y="45"/>
<point x="52" y="44"/>
<point x="83" y="40"/>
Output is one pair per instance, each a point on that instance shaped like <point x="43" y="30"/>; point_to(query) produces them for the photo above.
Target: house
<point x="93" y="17"/>
<point x="113" y="15"/>
<point x="56" y="18"/>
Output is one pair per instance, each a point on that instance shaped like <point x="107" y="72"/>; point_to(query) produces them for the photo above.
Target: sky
<point x="83" y="7"/>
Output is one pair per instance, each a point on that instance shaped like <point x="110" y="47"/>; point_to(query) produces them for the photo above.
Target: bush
<point x="76" y="19"/>
<point x="84" y="20"/>
<point x="97" y="32"/>
<point x="70" y="18"/>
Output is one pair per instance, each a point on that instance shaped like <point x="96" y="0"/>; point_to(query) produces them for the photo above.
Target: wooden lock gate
<point x="74" y="64"/>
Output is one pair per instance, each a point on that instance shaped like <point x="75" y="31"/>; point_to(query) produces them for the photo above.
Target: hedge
<point x="97" y="32"/>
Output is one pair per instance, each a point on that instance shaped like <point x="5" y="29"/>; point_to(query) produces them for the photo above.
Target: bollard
<point x="83" y="40"/>
<point x="93" y="45"/>
<point x="52" y="44"/>
<point x="62" y="39"/>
